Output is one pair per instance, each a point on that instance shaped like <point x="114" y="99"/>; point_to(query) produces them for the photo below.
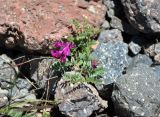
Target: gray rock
<point x="113" y="57"/>
<point x="110" y="35"/>
<point x="140" y="59"/>
<point x="8" y="72"/>
<point x="109" y="3"/>
<point x="41" y="71"/>
<point x="110" y="6"/>
<point x="114" y="8"/>
<point x="111" y="13"/>
<point x="135" y="48"/>
<point x="144" y="15"/>
<point x="154" y="51"/>
<point x="3" y="97"/>
<point x="78" y="100"/>
<point x="20" y="91"/>
<point x="137" y="43"/>
<point x="44" y="72"/>
<point x="156" y="70"/>
<point x="105" y="25"/>
<point x="123" y="26"/>
<point x="11" y="88"/>
<point x="8" y="75"/>
<point x="136" y="94"/>
<point x="157" y="59"/>
<point x="23" y="83"/>
<point x="150" y="50"/>
<point x="116" y="23"/>
<point x="157" y="48"/>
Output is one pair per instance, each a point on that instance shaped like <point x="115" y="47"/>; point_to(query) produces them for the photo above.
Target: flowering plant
<point x="74" y="54"/>
<point x="62" y="50"/>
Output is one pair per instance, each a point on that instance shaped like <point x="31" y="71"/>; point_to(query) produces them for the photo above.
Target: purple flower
<point x="58" y="44"/>
<point x="62" y="50"/>
<point x="94" y="63"/>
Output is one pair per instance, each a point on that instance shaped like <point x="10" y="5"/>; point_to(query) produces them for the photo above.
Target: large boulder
<point x="12" y="88"/>
<point x="136" y="94"/>
<point x="144" y="15"/>
<point x="20" y="92"/>
<point x="41" y="71"/>
<point x="116" y="15"/>
<point x="8" y="75"/>
<point x="31" y="25"/>
<point x="78" y="100"/>
<point x="111" y="54"/>
<point x="123" y="25"/>
<point x="8" y="72"/>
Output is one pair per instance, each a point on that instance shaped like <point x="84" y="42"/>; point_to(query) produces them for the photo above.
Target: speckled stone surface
<point x="8" y="73"/>
<point x="7" y="78"/>
<point x="113" y="57"/>
<point x="137" y="93"/>
<point x="144" y="15"/>
<point x="78" y="100"/>
<point x="110" y="35"/>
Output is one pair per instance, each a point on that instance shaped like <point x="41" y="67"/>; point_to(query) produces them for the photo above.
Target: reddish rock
<point x="32" y="24"/>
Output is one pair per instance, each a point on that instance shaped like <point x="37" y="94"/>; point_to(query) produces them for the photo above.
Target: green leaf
<point x="80" y="62"/>
<point x="73" y="77"/>
<point x="46" y="114"/>
<point x="92" y="80"/>
<point x="80" y="55"/>
<point x="97" y="72"/>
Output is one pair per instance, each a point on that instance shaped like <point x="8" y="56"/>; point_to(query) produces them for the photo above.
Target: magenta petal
<point x="72" y="46"/>
<point x="66" y="51"/>
<point x="58" y="44"/>
<point x="62" y="50"/>
<point x="94" y="64"/>
<point x="63" y="58"/>
<point x="55" y="53"/>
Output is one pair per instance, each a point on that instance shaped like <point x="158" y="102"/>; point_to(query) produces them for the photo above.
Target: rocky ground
<point x="128" y="49"/>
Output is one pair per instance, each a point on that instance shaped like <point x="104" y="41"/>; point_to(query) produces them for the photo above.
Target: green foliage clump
<point x="79" y="61"/>
<point x="18" y="109"/>
<point x="14" y="113"/>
